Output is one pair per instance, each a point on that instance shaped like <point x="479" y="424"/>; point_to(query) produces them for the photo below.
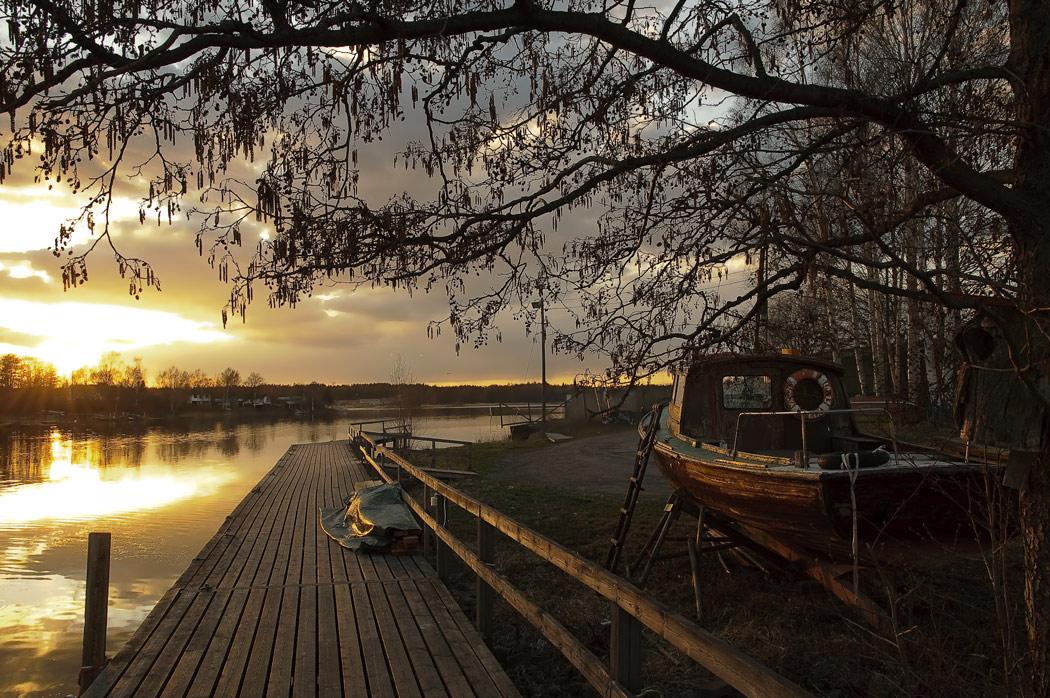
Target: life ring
<point x="827" y="398"/>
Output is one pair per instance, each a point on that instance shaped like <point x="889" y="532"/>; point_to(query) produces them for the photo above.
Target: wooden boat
<point x="771" y="444"/>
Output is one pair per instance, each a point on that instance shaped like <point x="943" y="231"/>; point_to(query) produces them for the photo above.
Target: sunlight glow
<point x="77" y="490"/>
<point x="33" y="214"/>
<point x="77" y="334"/>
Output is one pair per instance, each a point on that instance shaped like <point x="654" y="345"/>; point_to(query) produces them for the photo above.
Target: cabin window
<point x="678" y="390"/>
<point x="747" y="392"/>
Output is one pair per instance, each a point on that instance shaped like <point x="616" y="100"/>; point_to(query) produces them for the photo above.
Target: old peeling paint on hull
<point x="902" y="512"/>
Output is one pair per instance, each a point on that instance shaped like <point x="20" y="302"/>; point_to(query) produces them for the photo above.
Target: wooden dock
<point x="272" y="607"/>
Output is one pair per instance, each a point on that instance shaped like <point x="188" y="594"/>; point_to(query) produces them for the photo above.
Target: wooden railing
<point x="632" y="609"/>
<point x="409" y="437"/>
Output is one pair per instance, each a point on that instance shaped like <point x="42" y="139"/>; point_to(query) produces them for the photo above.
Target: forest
<point x="30" y="388"/>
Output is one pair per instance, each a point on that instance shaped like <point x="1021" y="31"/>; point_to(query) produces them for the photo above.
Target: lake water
<point x="161" y="491"/>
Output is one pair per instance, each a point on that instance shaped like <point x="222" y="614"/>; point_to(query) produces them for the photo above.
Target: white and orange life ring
<point x="827" y="399"/>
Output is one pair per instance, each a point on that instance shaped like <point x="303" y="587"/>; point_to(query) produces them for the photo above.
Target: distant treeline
<point x="115" y="400"/>
<point x="422" y="394"/>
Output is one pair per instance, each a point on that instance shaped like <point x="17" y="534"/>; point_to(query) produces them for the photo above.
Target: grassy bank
<point x="959" y="620"/>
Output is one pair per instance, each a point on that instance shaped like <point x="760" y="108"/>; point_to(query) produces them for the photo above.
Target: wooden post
<point x="444" y="553"/>
<point x="625" y="650"/>
<point x="428" y="535"/>
<point x="96" y="609"/>
<point x="483" y="619"/>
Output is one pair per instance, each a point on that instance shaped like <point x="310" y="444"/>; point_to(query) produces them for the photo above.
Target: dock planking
<point x="272" y="607"/>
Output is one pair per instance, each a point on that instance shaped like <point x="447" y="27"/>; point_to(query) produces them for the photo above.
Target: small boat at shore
<point x="771" y="445"/>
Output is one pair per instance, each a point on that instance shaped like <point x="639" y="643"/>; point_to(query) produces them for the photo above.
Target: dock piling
<point x="96" y="609"/>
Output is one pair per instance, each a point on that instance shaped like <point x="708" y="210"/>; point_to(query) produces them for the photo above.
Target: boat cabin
<point x="770" y="399"/>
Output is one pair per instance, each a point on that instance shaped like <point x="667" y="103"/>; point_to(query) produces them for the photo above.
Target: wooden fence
<point x="632" y="609"/>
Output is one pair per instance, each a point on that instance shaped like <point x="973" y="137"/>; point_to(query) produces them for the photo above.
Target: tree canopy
<point x="684" y="141"/>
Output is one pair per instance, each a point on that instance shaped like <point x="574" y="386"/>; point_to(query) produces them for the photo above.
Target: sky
<point x="333" y="337"/>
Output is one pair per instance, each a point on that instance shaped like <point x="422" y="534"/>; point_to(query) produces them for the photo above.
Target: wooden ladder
<point x="652" y="547"/>
<point x="634" y="488"/>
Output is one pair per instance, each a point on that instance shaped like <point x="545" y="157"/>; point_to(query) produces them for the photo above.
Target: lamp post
<point x="543" y="365"/>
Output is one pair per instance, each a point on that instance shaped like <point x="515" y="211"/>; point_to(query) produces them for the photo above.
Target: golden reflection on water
<point x="54" y="489"/>
<point x="161" y="492"/>
<point x="76" y="489"/>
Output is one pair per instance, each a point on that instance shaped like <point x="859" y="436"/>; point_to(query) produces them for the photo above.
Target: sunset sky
<point x="334" y="337"/>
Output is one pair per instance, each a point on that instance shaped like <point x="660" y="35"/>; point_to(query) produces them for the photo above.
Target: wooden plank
<point x="422" y="661"/>
<point x="305" y="674"/>
<point x="329" y="679"/>
<point x="478" y="663"/>
<point x="351" y="662"/>
<point x="380" y="679"/>
<point x="170" y="650"/>
<point x="198" y="667"/>
<point x="282" y="662"/>
<point x="271" y="606"/>
<point x="253" y="635"/>
<point x="263" y="659"/>
<point x="223" y="650"/>
<point x="460" y="669"/>
<point x="397" y="659"/>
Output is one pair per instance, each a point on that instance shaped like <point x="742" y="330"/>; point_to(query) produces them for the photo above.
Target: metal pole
<point x="543" y="367"/>
<point x="96" y="609"/>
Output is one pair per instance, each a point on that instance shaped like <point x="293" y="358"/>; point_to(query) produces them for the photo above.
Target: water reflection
<point x="87" y="480"/>
<point x="161" y="491"/>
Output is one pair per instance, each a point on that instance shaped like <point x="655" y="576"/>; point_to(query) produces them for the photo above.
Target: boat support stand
<point x="715" y="534"/>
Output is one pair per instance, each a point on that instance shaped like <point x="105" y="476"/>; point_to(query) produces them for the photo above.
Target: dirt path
<point x="596" y="463"/>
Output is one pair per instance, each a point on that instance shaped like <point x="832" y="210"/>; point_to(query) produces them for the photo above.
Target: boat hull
<point x="901" y="512"/>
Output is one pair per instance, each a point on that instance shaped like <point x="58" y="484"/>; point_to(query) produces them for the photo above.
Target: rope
<point x="853" y="472"/>
<point x="86" y="669"/>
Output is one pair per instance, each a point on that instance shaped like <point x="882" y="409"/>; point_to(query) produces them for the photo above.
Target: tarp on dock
<point x="373" y="518"/>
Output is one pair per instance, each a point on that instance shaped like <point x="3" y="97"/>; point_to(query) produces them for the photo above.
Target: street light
<point x="543" y="365"/>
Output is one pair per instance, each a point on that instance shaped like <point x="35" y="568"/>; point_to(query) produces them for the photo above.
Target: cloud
<point x="334" y="336"/>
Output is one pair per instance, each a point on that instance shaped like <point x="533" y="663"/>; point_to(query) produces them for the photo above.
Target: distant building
<point x="593" y="402"/>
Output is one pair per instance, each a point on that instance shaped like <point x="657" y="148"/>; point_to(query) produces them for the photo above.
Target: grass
<point x="963" y="642"/>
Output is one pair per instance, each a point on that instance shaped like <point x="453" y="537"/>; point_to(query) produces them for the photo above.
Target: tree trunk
<point x="858" y="353"/>
<point x="877" y="333"/>
<point x="1035" y="536"/>
<point x="1030" y="59"/>
<point x="829" y="316"/>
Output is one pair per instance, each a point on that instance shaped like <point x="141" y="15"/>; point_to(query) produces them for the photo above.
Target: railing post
<point x="433" y="453"/>
<point x="444" y="553"/>
<point x="625" y="650"/>
<point x="428" y="535"/>
<point x="96" y="609"/>
<point x="485" y="594"/>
